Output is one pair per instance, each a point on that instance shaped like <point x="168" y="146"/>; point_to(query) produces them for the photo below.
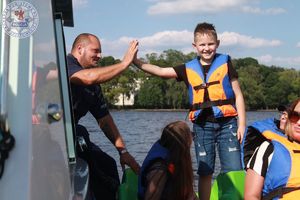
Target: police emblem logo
<point x="20" y="19"/>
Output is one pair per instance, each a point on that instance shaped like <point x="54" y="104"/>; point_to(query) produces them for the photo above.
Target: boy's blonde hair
<point x="205" y="28"/>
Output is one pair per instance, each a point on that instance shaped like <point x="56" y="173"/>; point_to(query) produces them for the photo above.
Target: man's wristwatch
<point x="123" y="151"/>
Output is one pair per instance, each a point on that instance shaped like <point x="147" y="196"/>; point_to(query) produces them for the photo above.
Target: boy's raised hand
<point x="131" y="52"/>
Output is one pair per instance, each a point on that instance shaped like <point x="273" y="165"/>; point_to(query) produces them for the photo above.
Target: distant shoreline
<point x="177" y="110"/>
<point x="150" y="110"/>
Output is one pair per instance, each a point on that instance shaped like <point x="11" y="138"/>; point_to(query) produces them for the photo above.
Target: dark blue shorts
<point x="223" y="135"/>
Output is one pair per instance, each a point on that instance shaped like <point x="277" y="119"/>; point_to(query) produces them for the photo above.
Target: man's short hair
<point x="82" y="38"/>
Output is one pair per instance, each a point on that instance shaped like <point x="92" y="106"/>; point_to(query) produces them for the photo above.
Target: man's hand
<point x="131" y="52"/>
<point x="127" y="159"/>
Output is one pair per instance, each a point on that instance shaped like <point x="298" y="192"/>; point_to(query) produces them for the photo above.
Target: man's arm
<point x="240" y="106"/>
<point x="111" y="131"/>
<point x="99" y="75"/>
<point x="164" y="72"/>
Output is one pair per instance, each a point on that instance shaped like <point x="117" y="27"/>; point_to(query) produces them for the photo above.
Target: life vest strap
<point x="279" y="192"/>
<point x="205" y="85"/>
<point x="207" y="104"/>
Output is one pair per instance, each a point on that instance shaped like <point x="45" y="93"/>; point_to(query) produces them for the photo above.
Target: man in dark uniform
<point x="85" y="77"/>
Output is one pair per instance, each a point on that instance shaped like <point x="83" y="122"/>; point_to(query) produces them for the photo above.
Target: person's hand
<point x="131" y="53"/>
<point x="127" y="159"/>
<point x="240" y="133"/>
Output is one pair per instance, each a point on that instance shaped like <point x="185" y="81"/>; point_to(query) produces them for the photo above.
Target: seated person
<point x="167" y="171"/>
<point x="273" y="169"/>
<point x="254" y="138"/>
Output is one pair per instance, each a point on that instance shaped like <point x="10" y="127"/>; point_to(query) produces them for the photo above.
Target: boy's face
<point x="206" y="47"/>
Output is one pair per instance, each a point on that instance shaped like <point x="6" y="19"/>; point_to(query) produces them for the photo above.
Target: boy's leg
<point x="229" y="146"/>
<point x="204" y="142"/>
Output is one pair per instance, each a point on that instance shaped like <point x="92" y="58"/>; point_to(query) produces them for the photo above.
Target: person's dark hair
<point x="205" y="28"/>
<point x="282" y="108"/>
<point x="177" y="138"/>
<point x="83" y="37"/>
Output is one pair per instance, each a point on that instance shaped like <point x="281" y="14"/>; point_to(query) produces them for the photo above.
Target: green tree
<point x="242" y="62"/>
<point x="263" y="87"/>
<point x="126" y="84"/>
<point x="176" y="96"/>
<point x="249" y="79"/>
<point x="151" y="93"/>
<point x="123" y="85"/>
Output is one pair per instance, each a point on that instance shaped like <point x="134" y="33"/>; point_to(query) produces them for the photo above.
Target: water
<point x="140" y="129"/>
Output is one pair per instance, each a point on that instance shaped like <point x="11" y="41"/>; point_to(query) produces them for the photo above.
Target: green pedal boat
<point x="227" y="186"/>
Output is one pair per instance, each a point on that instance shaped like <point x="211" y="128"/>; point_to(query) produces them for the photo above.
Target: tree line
<point x="263" y="87"/>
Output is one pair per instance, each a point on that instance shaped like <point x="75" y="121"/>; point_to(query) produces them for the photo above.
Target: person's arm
<point x="164" y="72"/>
<point x="111" y="131"/>
<point x="253" y="185"/>
<point x="240" y="106"/>
<point x="257" y="169"/>
<point x="99" y="75"/>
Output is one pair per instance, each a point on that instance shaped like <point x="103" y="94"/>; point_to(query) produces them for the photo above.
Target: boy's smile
<point x="206" y="47"/>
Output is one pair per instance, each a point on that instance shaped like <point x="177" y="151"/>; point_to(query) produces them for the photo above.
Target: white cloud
<point x="232" y="38"/>
<point x="298" y="44"/>
<point x="168" y="7"/>
<point x="188" y="6"/>
<point x="79" y="3"/>
<point x="168" y="38"/>
<point x="181" y="41"/>
<point x="269" y="11"/>
<point x="155" y="43"/>
<point x="291" y="62"/>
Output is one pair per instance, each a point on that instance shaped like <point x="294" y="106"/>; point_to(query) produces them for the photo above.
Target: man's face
<point x="91" y="53"/>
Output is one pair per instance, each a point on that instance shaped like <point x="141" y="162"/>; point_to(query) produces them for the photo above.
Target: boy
<point x="215" y="99"/>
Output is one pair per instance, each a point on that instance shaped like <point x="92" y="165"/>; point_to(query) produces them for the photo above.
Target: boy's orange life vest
<point x="218" y="85"/>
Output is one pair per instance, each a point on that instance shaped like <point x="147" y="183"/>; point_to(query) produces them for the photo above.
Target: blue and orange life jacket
<point x="218" y="85"/>
<point x="156" y="152"/>
<point x="282" y="180"/>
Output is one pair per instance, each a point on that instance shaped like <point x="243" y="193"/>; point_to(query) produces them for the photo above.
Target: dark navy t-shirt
<point x="85" y="98"/>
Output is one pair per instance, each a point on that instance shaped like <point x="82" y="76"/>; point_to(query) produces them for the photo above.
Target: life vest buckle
<point x="201" y="86"/>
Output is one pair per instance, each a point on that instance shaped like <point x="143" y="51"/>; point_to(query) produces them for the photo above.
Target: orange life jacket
<point x="284" y="168"/>
<point x="218" y="85"/>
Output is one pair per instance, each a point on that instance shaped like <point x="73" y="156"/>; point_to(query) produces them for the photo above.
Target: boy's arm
<point x="240" y="106"/>
<point x="164" y="72"/>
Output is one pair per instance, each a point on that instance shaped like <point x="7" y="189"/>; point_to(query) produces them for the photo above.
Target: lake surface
<point x="140" y="129"/>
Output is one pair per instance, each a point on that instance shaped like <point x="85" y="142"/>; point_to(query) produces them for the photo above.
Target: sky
<point x="267" y="30"/>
